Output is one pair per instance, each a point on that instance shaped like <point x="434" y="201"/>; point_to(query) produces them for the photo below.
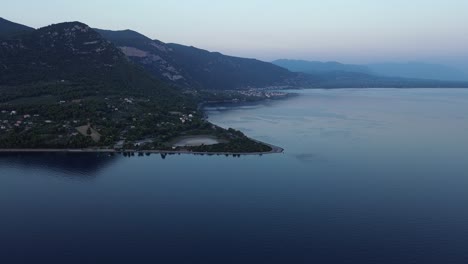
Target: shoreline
<point x="202" y="105"/>
<point x="275" y="150"/>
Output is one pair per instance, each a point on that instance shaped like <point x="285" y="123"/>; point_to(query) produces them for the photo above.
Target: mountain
<point x="196" y="68"/>
<point x="418" y="70"/>
<point x="8" y="28"/>
<point x="315" y="67"/>
<point x="214" y="70"/>
<point x="75" y="53"/>
<point x="65" y="86"/>
<point x="412" y="70"/>
<point x="67" y="76"/>
<point x="344" y="79"/>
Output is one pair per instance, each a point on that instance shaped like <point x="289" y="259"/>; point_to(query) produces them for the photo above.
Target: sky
<point x="349" y="31"/>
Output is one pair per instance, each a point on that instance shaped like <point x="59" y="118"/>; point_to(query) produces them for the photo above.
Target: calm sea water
<point x="368" y="176"/>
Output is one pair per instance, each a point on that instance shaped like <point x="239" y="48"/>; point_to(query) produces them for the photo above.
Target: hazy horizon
<point x="431" y="31"/>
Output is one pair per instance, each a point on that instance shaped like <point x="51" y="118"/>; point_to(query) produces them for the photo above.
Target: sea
<point x="367" y="176"/>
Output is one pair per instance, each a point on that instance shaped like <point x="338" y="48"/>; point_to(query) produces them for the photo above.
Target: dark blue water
<point x="368" y="176"/>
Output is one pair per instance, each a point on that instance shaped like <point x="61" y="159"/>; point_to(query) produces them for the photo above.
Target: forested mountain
<point x="214" y="70"/>
<point x="197" y="68"/>
<point x="73" y="53"/>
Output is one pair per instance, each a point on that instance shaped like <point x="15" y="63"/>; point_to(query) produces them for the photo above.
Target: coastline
<point x="275" y="150"/>
<point x="201" y="106"/>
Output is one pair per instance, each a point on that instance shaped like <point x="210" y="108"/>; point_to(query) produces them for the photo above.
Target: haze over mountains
<point x="405" y="70"/>
<point x="315" y="67"/>
<point x="187" y="67"/>
<point x="419" y="70"/>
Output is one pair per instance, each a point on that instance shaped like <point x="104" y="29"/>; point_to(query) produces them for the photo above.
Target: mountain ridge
<point x="199" y="69"/>
<point x="9" y="28"/>
<point x="410" y="70"/>
<point x="196" y="68"/>
<point x="419" y="70"/>
<point x="320" y="67"/>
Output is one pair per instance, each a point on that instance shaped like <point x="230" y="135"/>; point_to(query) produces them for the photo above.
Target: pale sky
<point x="349" y="31"/>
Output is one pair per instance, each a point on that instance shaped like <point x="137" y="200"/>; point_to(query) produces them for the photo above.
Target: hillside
<point x="8" y="28"/>
<point x="214" y="70"/>
<point x="65" y="86"/>
<point x="196" y="68"/>
<point x="72" y="53"/>
<point x="156" y="57"/>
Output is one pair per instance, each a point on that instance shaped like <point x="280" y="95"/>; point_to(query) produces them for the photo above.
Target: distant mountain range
<point x="196" y="68"/>
<point x="200" y="69"/>
<point x="317" y="67"/>
<point x="419" y="70"/>
<point x="413" y="70"/>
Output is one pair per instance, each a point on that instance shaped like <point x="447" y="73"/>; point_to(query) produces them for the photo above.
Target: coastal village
<point x="19" y="120"/>
<point x="117" y="124"/>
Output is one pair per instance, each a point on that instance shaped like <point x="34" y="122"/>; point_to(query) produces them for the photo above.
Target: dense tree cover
<point x="237" y="142"/>
<point x="55" y="125"/>
<point x="239" y="145"/>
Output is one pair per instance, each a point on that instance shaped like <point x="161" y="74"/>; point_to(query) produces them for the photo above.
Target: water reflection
<point x="79" y="165"/>
<point x="82" y="165"/>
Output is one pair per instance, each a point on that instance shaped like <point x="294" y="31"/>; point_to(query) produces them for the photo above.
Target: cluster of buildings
<point x="11" y="119"/>
<point x="186" y="118"/>
<point x="261" y="93"/>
